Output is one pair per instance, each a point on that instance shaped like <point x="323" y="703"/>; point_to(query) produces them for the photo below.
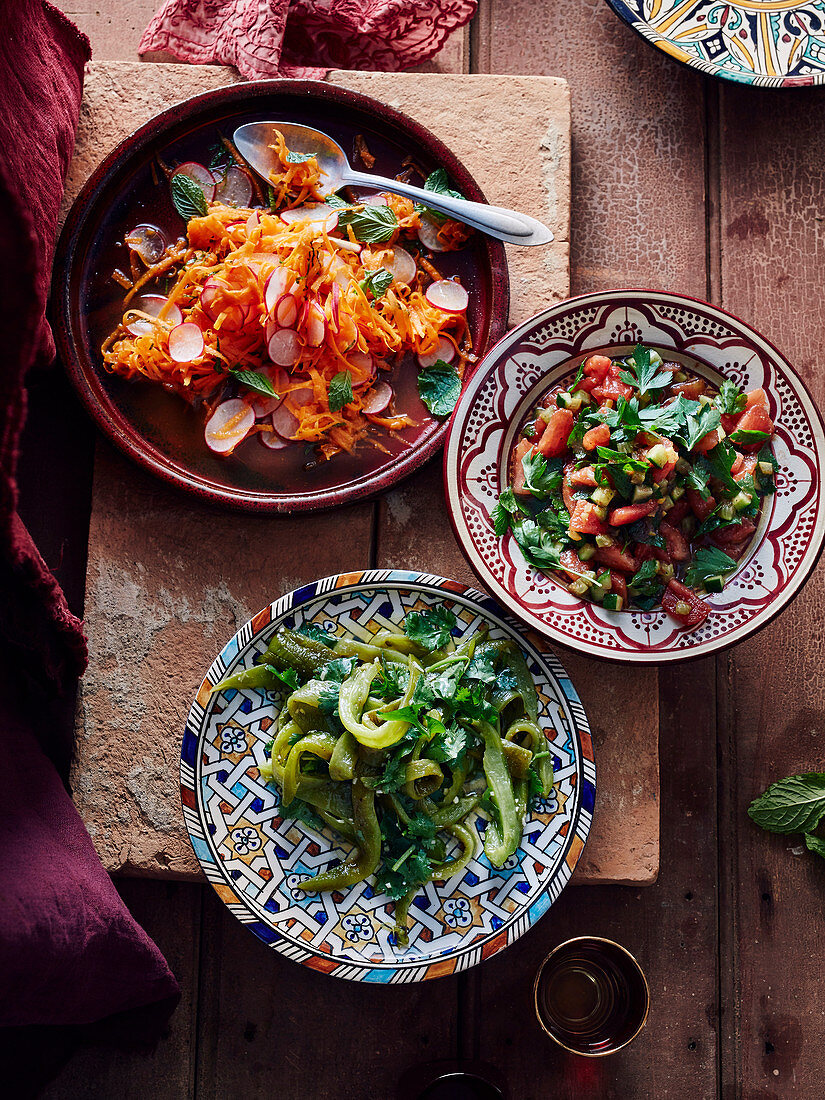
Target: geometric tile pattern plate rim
<point x="255" y="859"/>
<point x="543" y="351"/>
<point x="767" y="43"/>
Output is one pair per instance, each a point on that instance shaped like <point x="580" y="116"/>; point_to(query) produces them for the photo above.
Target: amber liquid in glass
<point x="591" y="997"/>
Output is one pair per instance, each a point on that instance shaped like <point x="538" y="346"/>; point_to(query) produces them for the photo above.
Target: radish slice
<point x="444" y="350"/>
<point x="346" y="245"/>
<point x="273" y="441"/>
<point x="400" y="263"/>
<point x="153" y="304"/>
<point x="364" y="362"/>
<point x="286" y="311"/>
<point x="277" y="285"/>
<point x="378" y="199"/>
<point x="316" y="325"/>
<point x="235" y="189"/>
<point x="301" y="397"/>
<point x="201" y="175"/>
<point x="148" y="242"/>
<point x="284" y="423"/>
<point x="348" y="332"/>
<point x="208" y="295"/>
<point x="447" y="295"/>
<point x="253" y="222"/>
<point x="378" y="399"/>
<point x="317" y="212"/>
<point x="284" y="347"/>
<point x="265" y="406"/>
<point x="186" y="343"/>
<point x="428" y="235"/>
<point x="232" y="318"/>
<point x="228" y="425"/>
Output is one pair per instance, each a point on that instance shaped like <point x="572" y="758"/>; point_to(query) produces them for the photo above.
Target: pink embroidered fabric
<point x="305" y="38"/>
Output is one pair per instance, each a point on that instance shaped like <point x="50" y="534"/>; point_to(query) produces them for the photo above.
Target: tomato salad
<point x="640" y="484"/>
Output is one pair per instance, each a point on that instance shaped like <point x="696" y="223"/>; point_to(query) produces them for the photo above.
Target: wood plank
<point x="637" y="122"/>
<point x="171" y="913"/>
<point x="772" y="204"/>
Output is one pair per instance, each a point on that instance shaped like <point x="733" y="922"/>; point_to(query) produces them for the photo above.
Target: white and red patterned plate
<point x="528" y="361"/>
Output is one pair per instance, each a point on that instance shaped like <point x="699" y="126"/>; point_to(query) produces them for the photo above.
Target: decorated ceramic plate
<point x="546" y="350"/>
<point x="256" y="859"/>
<point x="769" y="43"/>
<point x="161" y="431"/>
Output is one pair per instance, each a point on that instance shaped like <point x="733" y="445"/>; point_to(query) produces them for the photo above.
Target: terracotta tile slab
<point x="156" y="613"/>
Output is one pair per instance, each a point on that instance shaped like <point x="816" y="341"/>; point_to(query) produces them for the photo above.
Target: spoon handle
<point x="495" y="221"/>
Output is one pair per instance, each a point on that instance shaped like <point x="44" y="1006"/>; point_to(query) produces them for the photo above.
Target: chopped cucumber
<point x="658" y="455"/>
<point x="726" y="511"/>
<point x="742" y="501"/>
<point x="603" y="541"/>
<point x="586" y="551"/>
<point x="665" y="569"/>
<point x="715" y="584"/>
<point x="602" y="496"/>
<point x="765" y="468"/>
<point x="601" y="587"/>
<point x="579" y="587"/>
<point x="642" y="492"/>
<point x="679" y="376"/>
<point x="612" y="602"/>
<point x="677" y="491"/>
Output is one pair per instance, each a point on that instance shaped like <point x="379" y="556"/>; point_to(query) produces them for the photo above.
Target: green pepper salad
<point x="640" y="484"/>
<point x="393" y="744"/>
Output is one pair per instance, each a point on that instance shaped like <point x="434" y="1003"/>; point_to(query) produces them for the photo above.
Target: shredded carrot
<point x="219" y="277"/>
<point x="294" y="181"/>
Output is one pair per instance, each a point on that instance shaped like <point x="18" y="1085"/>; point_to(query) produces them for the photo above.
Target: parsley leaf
<point x="370" y="225"/>
<point x="730" y="400"/>
<point x="697" y="478"/>
<point x="451" y="745"/>
<point x="482" y="667"/>
<point x="287" y="676"/>
<point x="540" y="475"/>
<point x="555" y="520"/>
<point x="392" y="681"/>
<point x="255" y="380"/>
<point x="439" y="387"/>
<point x="340" y="391"/>
<point x="188" y="198"/>
<point x="720" y="460"/>
<point x="377" y="282"/>
<point x="431" y="628"/>
<point x="339" y="669"/>
<point x="646" y="586"/>
<point x="707" y="562"/>
<point x="644" y="374"/>
<point x="699" y="420"/>
<point x="298" y="810"/>
<point x="537" y="545"/>
<point x="317" y="633"/>
<point x="744" y="437"/>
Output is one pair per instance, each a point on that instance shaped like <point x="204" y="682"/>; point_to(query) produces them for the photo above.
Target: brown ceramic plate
<point x="158" y="429"/>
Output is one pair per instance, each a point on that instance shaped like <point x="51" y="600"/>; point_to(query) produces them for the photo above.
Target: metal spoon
<point x="254" y="141"/>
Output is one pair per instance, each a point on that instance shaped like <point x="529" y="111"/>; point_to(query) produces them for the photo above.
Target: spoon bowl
<point x="255" y="142"/>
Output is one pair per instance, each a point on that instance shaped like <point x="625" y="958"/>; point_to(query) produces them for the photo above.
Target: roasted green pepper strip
<point x="368" y="834"/>
<point x="258" y="676"/>
<point x="304" y="706"/>
<point x="422" y="777"/>
<point x="504" y="830"/>
<point x="513" y="660"/>
<point x="287" y="649"/>
<point x="542" y="757"/>
<point x="319" y="744"/>
<point x="447" y="814"/>
<point x="352" y="698"/>
<point x="344" y="757"/>
<point x="453" y="866"/>
<point x="402" y="908"/>
<point x="518" y="758"/>
<point x="330" y="803"/>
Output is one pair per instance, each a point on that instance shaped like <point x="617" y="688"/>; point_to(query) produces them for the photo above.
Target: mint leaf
<point x="377" y="282"/>
<point x="439" y="183"/>
<point x="815" y="844"/>
<point x="793" y="805"/>
<point x="730" y="400"/>
<point x="707" y="563"/>
<point x="370" y="225"/>
<point x="335" y="200"/>
<point x="255" y="380"/>
<point x="188" y="198"/>
<point x="439" y="387"/>
<point x="431" y="628"/>
<point x="340" y="390"/>
<point x="298" y="158"/>
<point x="537" y="545"/>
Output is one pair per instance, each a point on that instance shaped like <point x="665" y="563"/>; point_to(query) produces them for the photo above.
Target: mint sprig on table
<point x="793" y="805"/>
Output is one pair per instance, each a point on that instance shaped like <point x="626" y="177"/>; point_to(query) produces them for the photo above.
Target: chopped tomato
<point x="586" y="520"/>
<point x="554" y="438"/>
<point x="737" y="465"/>
<point x="523" y="447"/>
<point x="754" y="419"/>
<point x="677" y="547"/>
<point x="596" y="437"/>
<point x="677" y="593"/>
<point x="706" y="443"/>
<point x="629" y="513"/>
<point x="586" y="476"/>
<point x="678" y="512"/>
<point x="567" y="487"/>
<point x="618" y="584"/>
<point x="701" y="508"/>
<point x="571" y="563"/>
<point x="691" y="390"/>
<point x="747" y="467"/>
<point x="615" y="558"/>
<point x="669" y="466"/>
<point x="597" y="366"/>
<point x="612" y="388"/>
<point x="756" y="399"/>
<point x="736" y="533"/>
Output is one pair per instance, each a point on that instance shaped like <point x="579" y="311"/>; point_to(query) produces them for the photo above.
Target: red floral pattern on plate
<point x="528" y="361"/>
<point x="304" y="38"/>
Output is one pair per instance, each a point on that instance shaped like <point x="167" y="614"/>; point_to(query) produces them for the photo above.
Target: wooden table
<point x="678" y="183"/>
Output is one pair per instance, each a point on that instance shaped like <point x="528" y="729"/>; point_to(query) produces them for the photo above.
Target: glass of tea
<point x="591" y="996"/>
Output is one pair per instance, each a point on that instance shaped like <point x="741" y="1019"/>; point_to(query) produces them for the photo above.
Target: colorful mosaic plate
<point x="254" y="858"/>
<point x="770" y="43"/>
<point x="541" y="352"/>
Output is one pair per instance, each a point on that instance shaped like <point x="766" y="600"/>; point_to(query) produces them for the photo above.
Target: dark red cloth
<point x="70" y="952"/>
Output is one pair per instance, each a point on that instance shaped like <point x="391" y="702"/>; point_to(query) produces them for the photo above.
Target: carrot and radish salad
<point x="640" y="484"/>
<point x="283" y="315"/>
